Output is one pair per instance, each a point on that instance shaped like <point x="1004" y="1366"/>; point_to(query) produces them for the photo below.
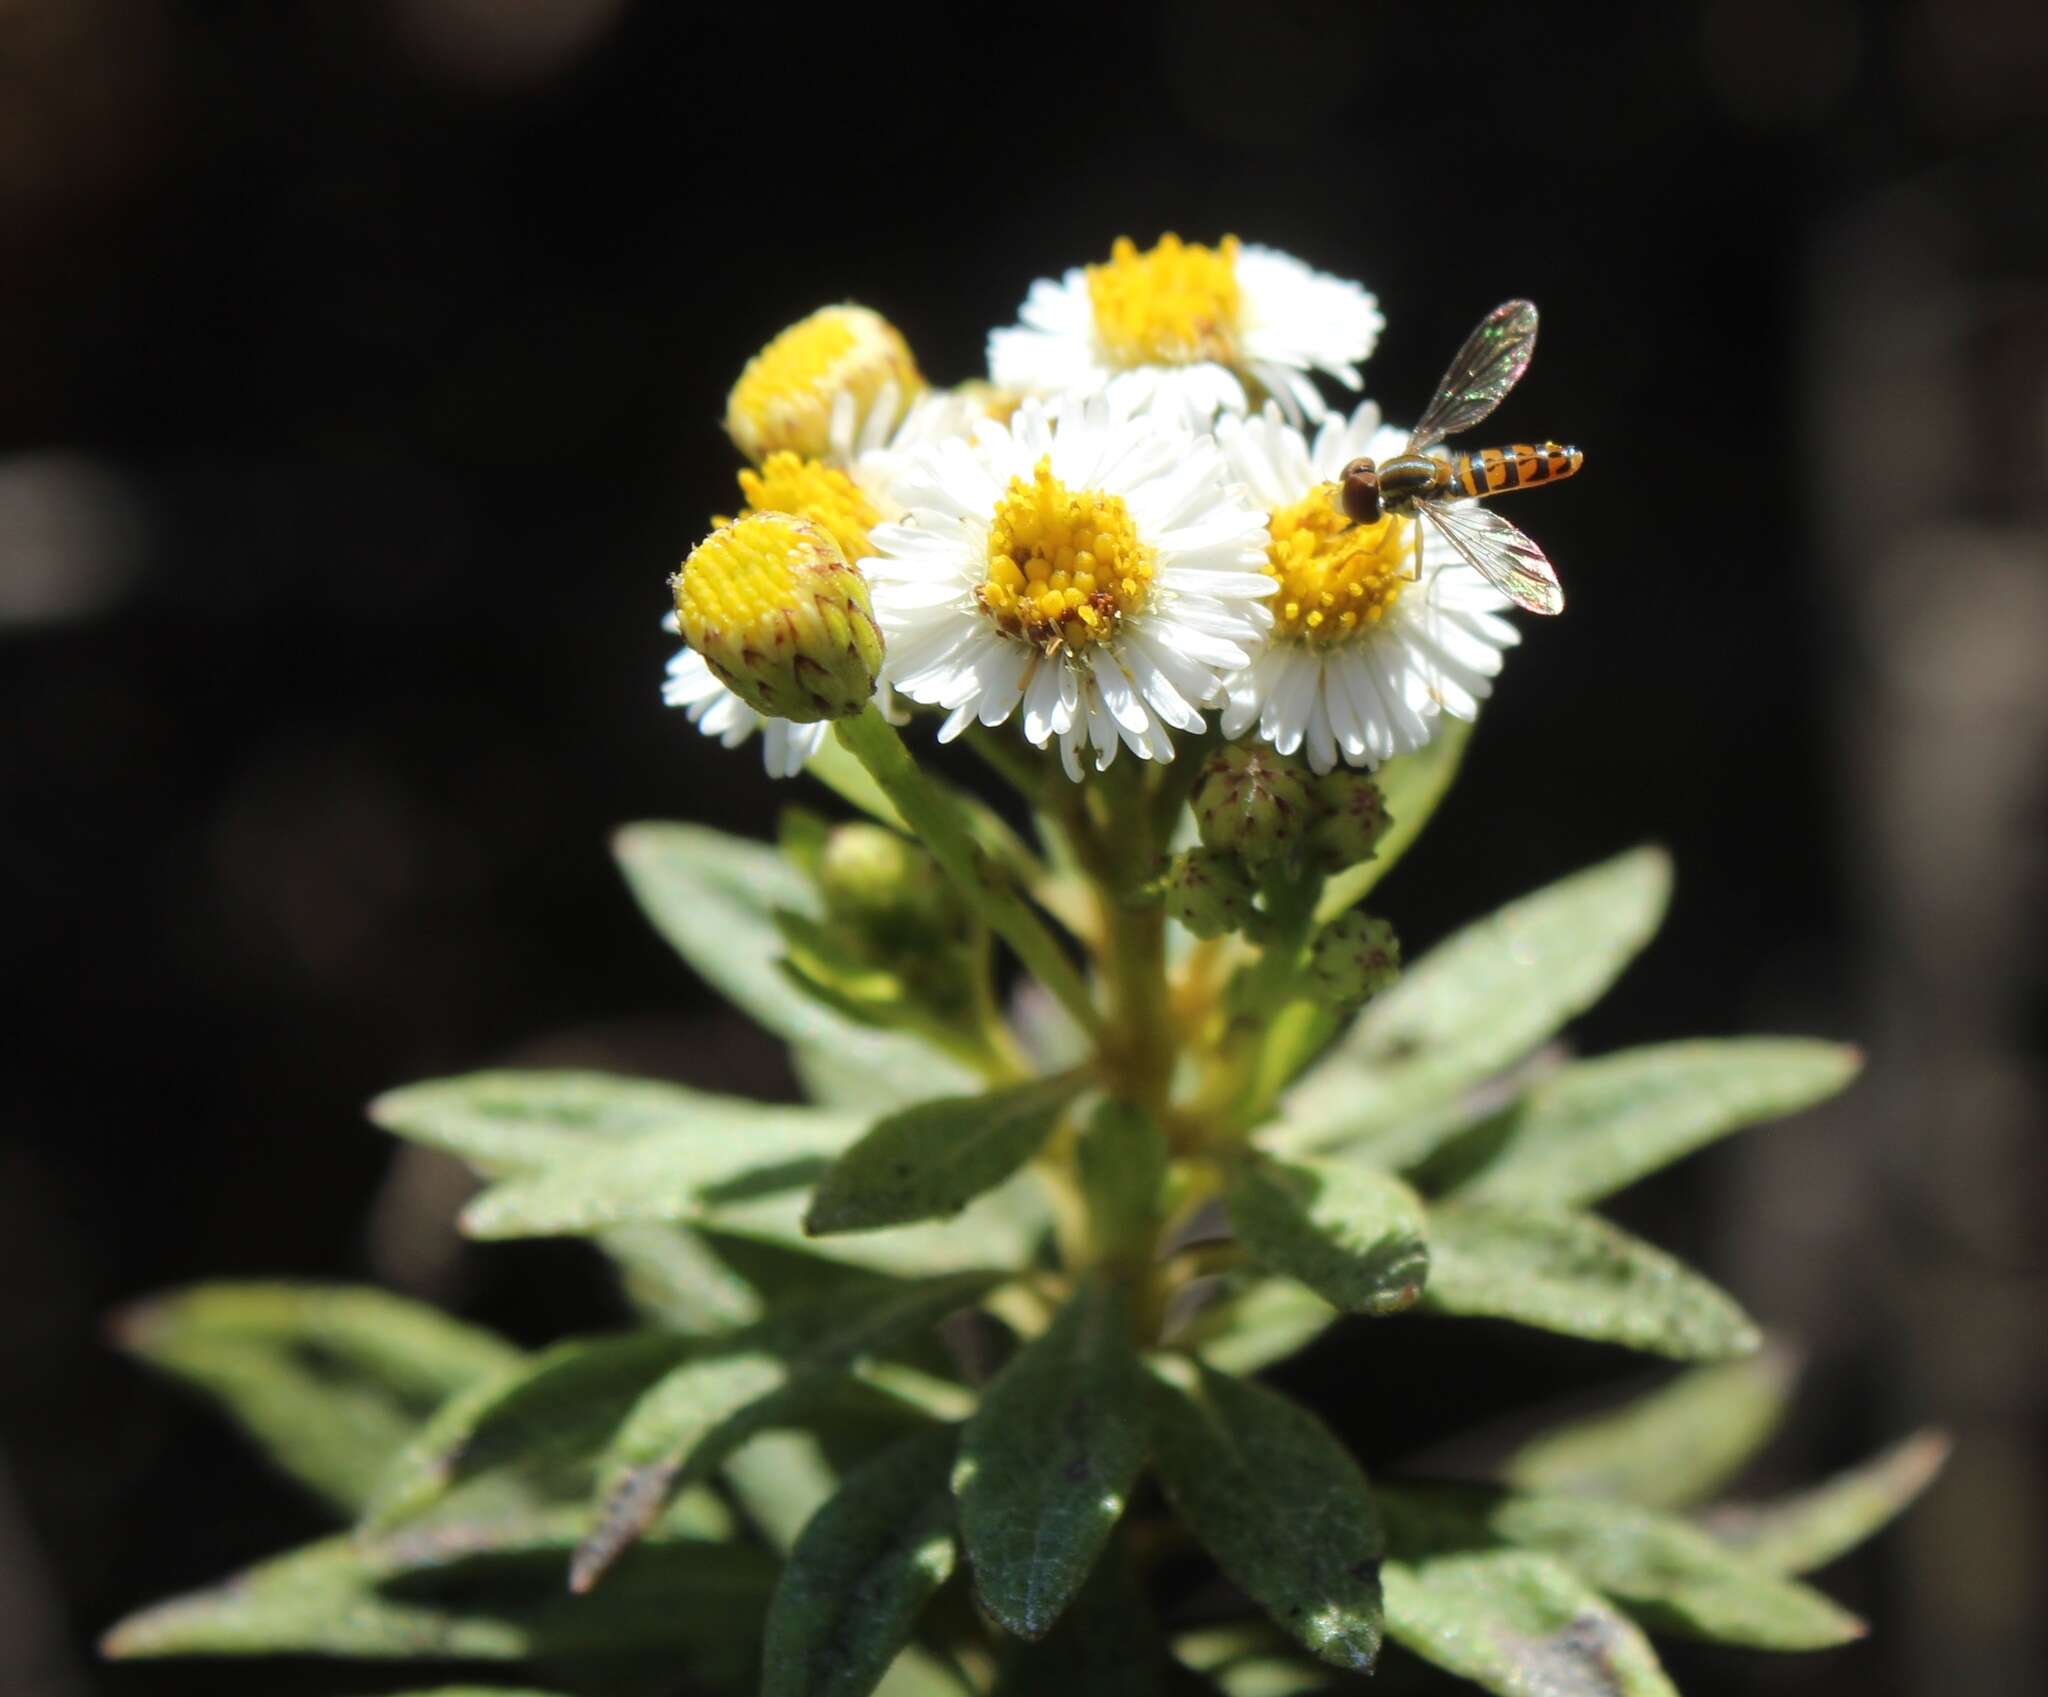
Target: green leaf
<point x="738" y="1152"/>
<point x="1798" y="1533"/>
<point x="1578" y="1275"/>
<point x="1107" y="1644"/>
<point x="1669" y="1449"/>
<point x="1120" y="1159"/>
<point x="1281" y="1506"/>
<point x="327" y="1379"/>
<point x="1595" y="1126"/>
<point x="1352" y="1234"/>
<point x="1047" y="1463"/>
<point x="861" y="1573"/>
<point x="689" y="1421"/>
<point x="930" y="1161"/>
<point x="1413" y="785"/>
<point x="712" y="896"/>
<point x="1473" y="1005"/>
<point x="1519" y="1625"/>
<point x="1262" y="1321"/>
<point x="562" y="1403"/>
<point x="486" y="1593"/>
<point x="1671" y="1575"/>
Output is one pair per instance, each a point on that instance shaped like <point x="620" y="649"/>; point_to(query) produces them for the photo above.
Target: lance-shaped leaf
<point x="1798" y="1533"/>
<point x="1595" y="1126"/>
<point x="696" y="1416"/>
<point x="1413" y="786"/>
<point x="1519" y="1625"/>
<point x="1351" y="1233"/>
<point x="329" y="1380"/>
<point x="1473" y="1005"/>
<point x="682" y="1175"/>
<point x="1048" y="1461"/>
<point x="1107" y="1644"/>
<point x="1672" y="1448"/>
<point x="1671" y="1575"/>
<point x="1578" y="1275"/>
<point x="712" y="897"/>
<point x="482" y="1593"/>
<point x="930" y="1161"/>
<point x="860" y="1574"/>
<point x="1255" y="1322"/>
<point x="1281" y="1506"/>
<point x="562" y="1403"/>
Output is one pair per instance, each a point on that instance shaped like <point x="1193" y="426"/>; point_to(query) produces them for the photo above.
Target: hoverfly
<point x="1417" y="483"/>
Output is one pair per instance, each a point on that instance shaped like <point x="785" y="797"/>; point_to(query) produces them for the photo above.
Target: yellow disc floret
<point x="784" y="396"/>
<point x="1064" y="566"/>
<point x="780" y="617"/>
<point x="1174" y="304"/>
<point x="1335" y="578"/>
<point x="789" y="483"/>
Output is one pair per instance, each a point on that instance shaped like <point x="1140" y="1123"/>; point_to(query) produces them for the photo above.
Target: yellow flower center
<point x="1335" y="578"/>
<point x="788" y="483"/>
<point x="784" y="396"/>
<point x="1174" y="304"/>
<point x="1063" y="566"/>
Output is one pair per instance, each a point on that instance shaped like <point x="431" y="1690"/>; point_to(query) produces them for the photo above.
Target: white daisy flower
<point x="848" y="492"/>
<point x="1377" y="629"/>
<point x="1184" y="323"/>
<point x="1094" y="570"/>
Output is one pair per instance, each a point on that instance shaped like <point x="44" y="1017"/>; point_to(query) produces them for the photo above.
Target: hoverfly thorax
<point x="1358" y="492"/>
<point x="1407" y="476"/>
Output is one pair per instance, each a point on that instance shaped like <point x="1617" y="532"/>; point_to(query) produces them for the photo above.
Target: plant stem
<point x="936" y="821"/>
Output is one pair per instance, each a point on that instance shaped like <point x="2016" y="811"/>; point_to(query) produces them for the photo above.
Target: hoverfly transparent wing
<point x="1489" y="364"/>
<point x="1498" y="552"/>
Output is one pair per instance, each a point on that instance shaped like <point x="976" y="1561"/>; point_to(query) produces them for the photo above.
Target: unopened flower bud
<point x="781" y="618"/>
<point x="886" y="887"/>
<point x="1355" y="957"/>
<point x="1253" y="802"/>
<point x="1209" y="891"/>
<point x="785" y="396"/>
<point x="1354" y="818"/>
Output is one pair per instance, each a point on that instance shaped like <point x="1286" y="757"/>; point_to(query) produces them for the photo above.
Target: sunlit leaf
<point x="1261" y="1321"/>
<point x="930" y="1161"/>
<point x="1473" y="1005"/>
<point x="1413" y="785"/>
<point x="1047" y="1463"/>
<point x="1672" y="1448"/>
<point x="1519" y="1625"/>
<point x="1578" y="1275"/>
<point x="1352" y="1234"/>
<point x="861" y="1573"/>
<point x="1798" y="1533"/>
<point x="1280" y="1504"/>
<point x="1595" y="1126"/>
<point x="328" y="1380"/>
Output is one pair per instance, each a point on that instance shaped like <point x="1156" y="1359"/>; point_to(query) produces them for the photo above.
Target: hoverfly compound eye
<point x="1358" y="492"/>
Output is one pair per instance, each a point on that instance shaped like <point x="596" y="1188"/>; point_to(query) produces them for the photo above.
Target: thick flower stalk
<point x="1118" y="1093"/>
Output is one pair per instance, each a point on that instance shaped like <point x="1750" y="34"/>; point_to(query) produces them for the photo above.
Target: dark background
<point x="360" y="369"/>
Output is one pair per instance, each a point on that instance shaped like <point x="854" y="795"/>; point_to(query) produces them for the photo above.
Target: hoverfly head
<point x="1358" y="492"/>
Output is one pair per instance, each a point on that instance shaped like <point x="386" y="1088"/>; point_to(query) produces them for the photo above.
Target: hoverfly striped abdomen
<point x="1489" y="471"/>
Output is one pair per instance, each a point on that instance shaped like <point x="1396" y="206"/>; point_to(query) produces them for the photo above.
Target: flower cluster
<point x="1132" y="524"/>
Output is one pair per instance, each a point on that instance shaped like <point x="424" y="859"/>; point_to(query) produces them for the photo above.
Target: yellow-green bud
<point x="1253" y="802"/>
<point x="1209" y="891"/>
<point x="1354" y="818"/>
<point x="780" y="617"/>
<point x="785" y="396"/>
<point x="1355" y="957"/>
<point x="886" y="887"/>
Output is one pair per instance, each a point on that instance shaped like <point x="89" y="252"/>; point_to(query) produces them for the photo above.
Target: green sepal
<point x="1048" y="1461"/>
<point x="1280" y="1504"/>
<point x="1577" y="1275"/>
<point x="930" y="1161"/>
<point x="1354" y="1235"/>
<point x="861" y="1573"/>
<point x="328" y="1380"/>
